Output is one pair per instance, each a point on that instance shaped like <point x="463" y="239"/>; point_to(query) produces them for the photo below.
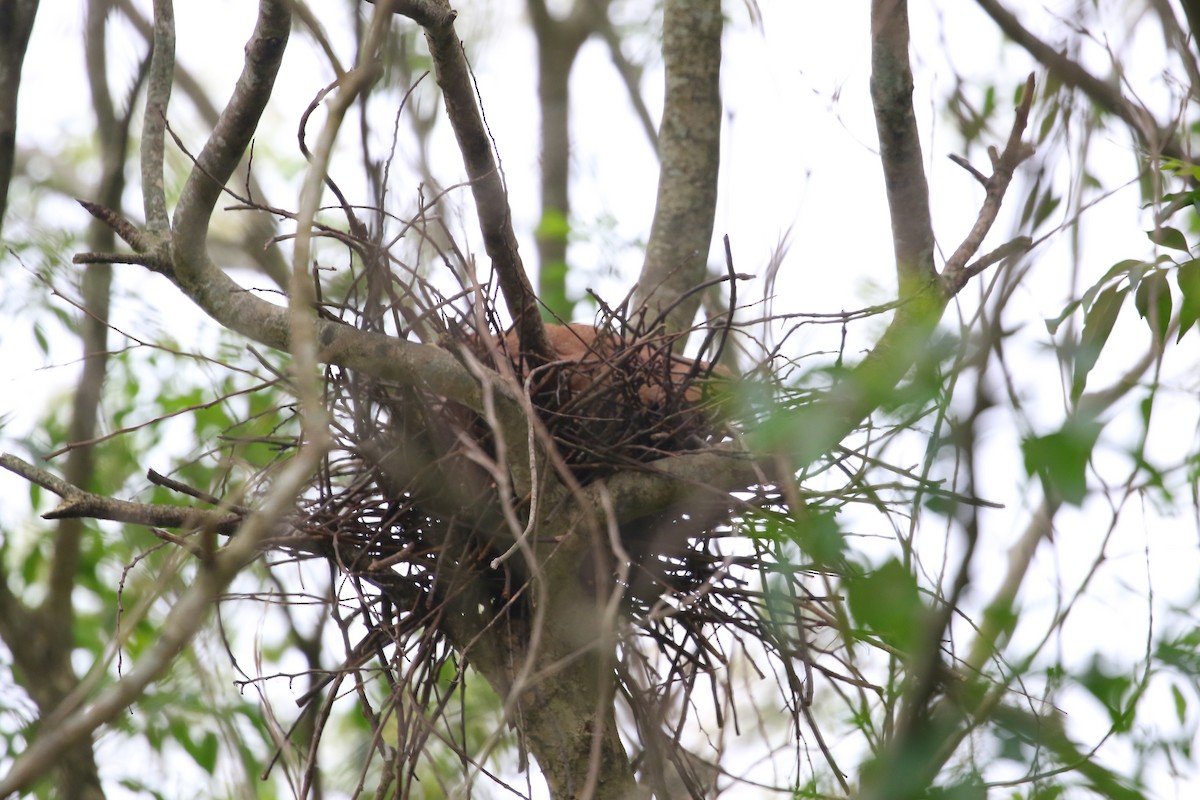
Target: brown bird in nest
<point x="594" y="356"/>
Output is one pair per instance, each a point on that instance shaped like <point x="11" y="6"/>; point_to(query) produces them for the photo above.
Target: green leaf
<point x="1045" y="208"/>
<point x="1060" y="459"/>
<point x="888" y="603"/>
<point x="1097" y="325"/>
<point x="1115" y="690"/>
<point x="1167" y="236"/>
<point x="1188" y="278"/>
<point x="1053" y="323"/>
<point x="820" y="538"/>
<point x="553" y="226"/>
<point x="1129" y="267"/>
<point x="1153" y="302"/>
<point x="1184" y="169"/>
<point x="1181" y="704"/>
<point x="1181" y="652"/>
<point x="39" y="336"/>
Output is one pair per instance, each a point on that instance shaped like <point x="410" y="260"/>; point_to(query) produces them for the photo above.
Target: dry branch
<point x="14" y="40"/>
<point x="79" y="504"/>
<point x="154" y="119"/>
<point x="228" y="142"/>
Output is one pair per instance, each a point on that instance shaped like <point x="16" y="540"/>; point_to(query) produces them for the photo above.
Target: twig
<point x="962" y="162"/>
<point x="191" y="491"/>
<point x="148" y="260"/>
<point x="131" y="234"/>
<point x="1020" y="244"/>
<point x="181" y="624"/>
<point x="1104" y="94"/>
<point x="129" y="429"/>
<point x="77" y="503"/>
<point x="1004" y="164"/>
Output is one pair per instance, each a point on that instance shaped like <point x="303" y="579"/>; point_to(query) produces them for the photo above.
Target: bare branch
<point x="1004" y="164"/>
<point x="261" y="230"/>
<point x="900" y="146"/>
<point x="181" y="624"/>
<point x="976" y="174"/>
<point x="230" y="138"/>
<point x="79" y="504"/>
<point x="426" y="13"/>
<point x="131" y="234"/>
<point x="158" y="94"/>
<point x="816" y="428"/>
<point x="631" y="77"/>
<point x="1104" y="94"/>
<point x="922" y="294"/>
<point x="689" y="144"/>
<point x="487" y="185"/>
<point x="1014" y="247"/>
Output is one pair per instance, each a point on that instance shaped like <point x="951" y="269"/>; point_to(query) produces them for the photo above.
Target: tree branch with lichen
<point x="689" y="146"/>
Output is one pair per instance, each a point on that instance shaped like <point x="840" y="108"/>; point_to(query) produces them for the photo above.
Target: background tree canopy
<point x="599" y="399"/>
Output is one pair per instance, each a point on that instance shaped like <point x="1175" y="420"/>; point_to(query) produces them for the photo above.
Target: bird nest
<point x="414" y="469"/>
<point x="614" y="398"/>
<point x="408" y="505"/>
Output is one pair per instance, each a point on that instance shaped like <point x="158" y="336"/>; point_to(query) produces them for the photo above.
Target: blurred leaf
<point x="1184" y="169"/>
<point x="1045" y="207"/>
<point x="1048" y="122"/>
<point x="1129" y="267"/>
<point x="821" y="539"/>
<point x="968" y="788"/>
<point x="553" y="226"/>
<point x="887" y="602"/>
<point x="1153" y="302"/>
<point x="1181" y="653"/>
<point x="39" y="336"/>
<point x="552" y="291"/>
<point x="1169" y="237"/>
<point x="1097" y="325"/>
<point x="1188" y="278"/>
<point x="1053" y="324"/>
<point x="1181" y="704"/>
<point x="1116" y="691"/>
<point x="1060" y="459"/>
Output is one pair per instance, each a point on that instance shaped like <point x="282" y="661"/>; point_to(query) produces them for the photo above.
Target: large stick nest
<point x="408" y="511"/>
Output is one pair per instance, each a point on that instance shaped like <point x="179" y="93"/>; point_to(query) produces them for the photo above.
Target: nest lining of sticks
<point x="410" y="470"/>
<point x="410" y="465"/>
<point x="401" y="506"/>
<point x="615" y="398"/>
